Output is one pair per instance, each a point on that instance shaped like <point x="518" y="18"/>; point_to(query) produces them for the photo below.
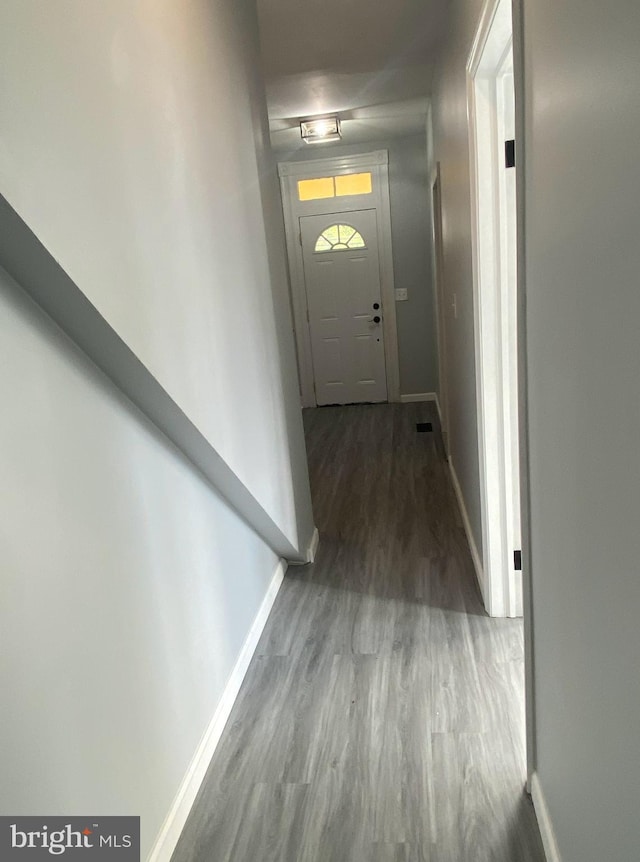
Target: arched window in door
<point x="339" y="237"/>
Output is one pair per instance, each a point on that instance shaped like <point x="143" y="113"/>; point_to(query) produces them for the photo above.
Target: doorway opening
<point x="441" y="327"/>
<point x="491" y="103"/>
<point x="338" y="231"/>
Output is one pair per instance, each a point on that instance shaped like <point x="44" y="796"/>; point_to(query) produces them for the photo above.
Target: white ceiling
<point x="359" y="126"/>
<point x="369" y="61"/>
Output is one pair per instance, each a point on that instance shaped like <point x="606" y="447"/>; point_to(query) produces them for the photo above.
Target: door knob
<point x="376" y="319"/>
<point x="376" y="305"/>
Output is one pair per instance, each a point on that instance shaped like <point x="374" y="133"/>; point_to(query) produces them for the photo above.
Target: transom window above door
<point x="339" y="237"/>
<point x="337" y="186"/>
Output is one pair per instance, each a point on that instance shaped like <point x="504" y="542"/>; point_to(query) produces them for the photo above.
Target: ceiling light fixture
<point x="318" y="131"/>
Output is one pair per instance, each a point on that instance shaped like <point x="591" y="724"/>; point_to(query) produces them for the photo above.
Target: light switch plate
<point x="401" y="294"/>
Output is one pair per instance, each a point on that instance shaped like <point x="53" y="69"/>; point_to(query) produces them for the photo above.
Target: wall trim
<point x="411" y="397"/>
<point x="475" y="556"/>
<point x="443" y="431"/>
<point x="493" y="328"/>
<point x="439" y="293"/>
<point x="525" y="473"/>
<point x="174" y="823"/>
<point x="437" y="400"/>
<point x="312" y="548"/>
<point x="37" y="272"/>
<point x="547" y="833"/>
<point x="309" y="167"/>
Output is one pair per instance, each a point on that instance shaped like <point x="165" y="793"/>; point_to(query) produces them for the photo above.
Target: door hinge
<point x="517" y="561"/>
<point x="510" y="153"/>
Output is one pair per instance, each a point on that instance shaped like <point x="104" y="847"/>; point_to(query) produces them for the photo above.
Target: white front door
<point x="342" y="279"/>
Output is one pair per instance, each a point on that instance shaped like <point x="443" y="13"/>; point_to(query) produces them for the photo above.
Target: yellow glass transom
<point x="312" y="190"/>
<point x="353" y="184"/>
<point x="338" y="186"/>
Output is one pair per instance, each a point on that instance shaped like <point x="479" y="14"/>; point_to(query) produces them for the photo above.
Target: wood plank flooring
<point x="382" y="718"/>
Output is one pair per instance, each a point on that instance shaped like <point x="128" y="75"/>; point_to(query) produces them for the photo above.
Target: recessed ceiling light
<point x="318" y="131"/>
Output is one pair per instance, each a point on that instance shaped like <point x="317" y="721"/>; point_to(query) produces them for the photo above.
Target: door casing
<point x="485" y="20"/>
<point x="441" y="329"/>
<point x="494" y="311"/>
<point x="290" y="172"/>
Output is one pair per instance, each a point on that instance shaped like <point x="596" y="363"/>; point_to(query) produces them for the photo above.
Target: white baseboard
<point x="475" y="556"/>
<point x="418" y="396"/>
<point x="544" y="821"/>
<point x="177" y="817"/>
<point x="311" y="551"/>
<point x="437" y="400"/>
<point x="313" y="546"/>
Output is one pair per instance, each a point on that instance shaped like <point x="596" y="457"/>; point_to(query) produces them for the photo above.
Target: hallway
<point x="381" y="717"/>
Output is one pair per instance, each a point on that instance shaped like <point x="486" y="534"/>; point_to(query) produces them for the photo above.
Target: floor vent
<point x="424" y="426"/>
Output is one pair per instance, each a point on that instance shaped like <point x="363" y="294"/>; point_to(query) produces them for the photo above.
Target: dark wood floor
<point x="382" y="716"/>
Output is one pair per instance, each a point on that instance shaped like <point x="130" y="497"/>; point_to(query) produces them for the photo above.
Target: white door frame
<point x="525" y="507"/>
<point x="492" y="329"/>
<point x="290" y="172"/>
<point x="441" y="327"/>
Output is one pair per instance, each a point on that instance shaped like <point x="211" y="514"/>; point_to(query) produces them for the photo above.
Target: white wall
<point x="451" y="149"/>
<point x="583" y="309"/>
<point x="132" y="143"/>
<point x="410" y="229"/>
<point x="273" y="225"/>
<point x="128" y="588"/>
<point x="127" y="147"/>
<point x="582" y="110"/>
